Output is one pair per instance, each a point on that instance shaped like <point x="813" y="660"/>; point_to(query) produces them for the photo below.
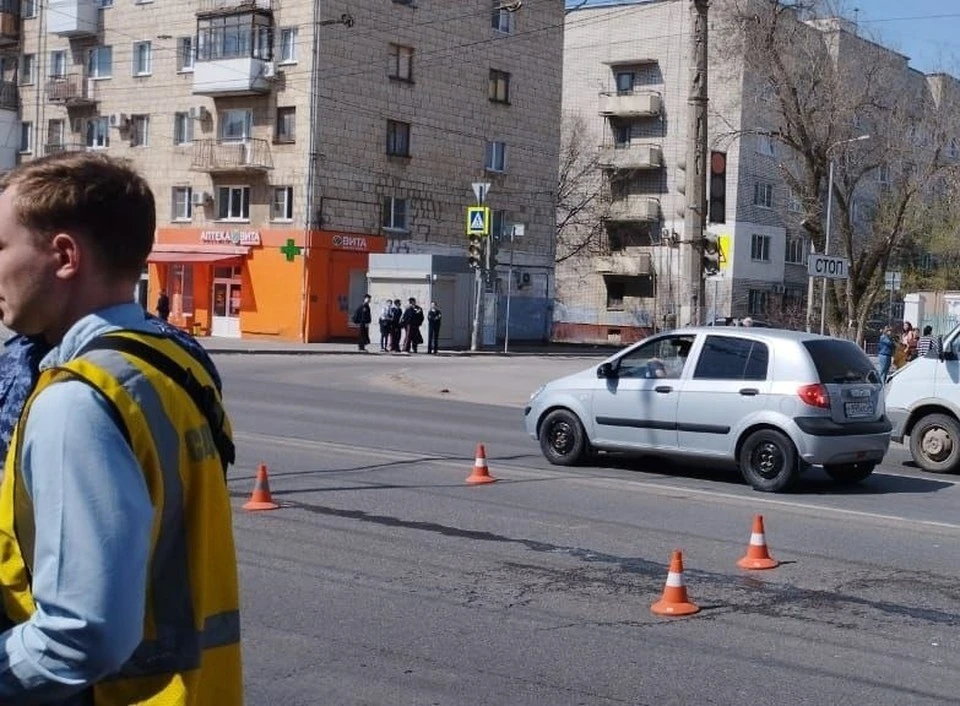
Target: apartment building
<point x="626" y="78"/>
<point x="287" y="140"/>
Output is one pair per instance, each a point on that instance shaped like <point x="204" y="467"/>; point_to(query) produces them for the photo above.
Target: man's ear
<point x="66" y="250"/>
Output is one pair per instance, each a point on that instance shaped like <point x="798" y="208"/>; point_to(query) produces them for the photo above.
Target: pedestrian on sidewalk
<point x="396" y="313"/>
<point x="886" y="349"/>
<point x="434" y="318"/>
<point x="362" y="318"/>
<point x="385" y="322"/>
<point x="929" y="345"/>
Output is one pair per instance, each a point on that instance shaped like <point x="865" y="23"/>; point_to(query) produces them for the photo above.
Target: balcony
<point x="9" y="23"/>
<point x="632" y="265"/>
<point x="634" y="209"/>
<point x="73" y="18"/>
<point x="239" y="76"/>
<point x="229" y="7"/>
<point x="231" y="156"/>
<point x="71" y="90"/>
<point x="638" y="104"/>
<point x="9" y="96"/>
<point x="631" y="157"/>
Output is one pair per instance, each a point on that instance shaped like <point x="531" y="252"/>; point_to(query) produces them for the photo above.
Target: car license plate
<point x="858" y="409"/>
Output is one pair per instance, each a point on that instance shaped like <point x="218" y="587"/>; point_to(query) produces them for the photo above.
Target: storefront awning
<point x="186" y="256"/>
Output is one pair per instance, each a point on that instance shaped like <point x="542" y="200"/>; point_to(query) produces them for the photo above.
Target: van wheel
<point x="849" y="473"/>
<point x="562" y="438"/>
<point x="768" y="461"/>
<point x="935" y="443"/>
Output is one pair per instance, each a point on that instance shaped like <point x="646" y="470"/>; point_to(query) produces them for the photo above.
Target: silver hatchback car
<point x="774" y="402"/>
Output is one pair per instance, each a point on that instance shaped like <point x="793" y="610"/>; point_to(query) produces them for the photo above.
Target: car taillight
<point x="815" y="395"/>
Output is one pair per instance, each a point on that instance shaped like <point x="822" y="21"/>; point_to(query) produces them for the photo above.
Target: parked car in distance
<point x="923" y="402"/>
<point x="773" y="402"/>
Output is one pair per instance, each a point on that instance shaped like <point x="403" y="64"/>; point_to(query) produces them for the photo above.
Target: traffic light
<point x="710" y="254"/>
<point x="718" y="187"/>
<point x="474" y="252"/>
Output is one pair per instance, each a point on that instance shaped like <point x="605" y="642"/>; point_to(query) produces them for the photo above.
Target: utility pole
<point x="695" y="213"/>
<point x="480" y="261"/>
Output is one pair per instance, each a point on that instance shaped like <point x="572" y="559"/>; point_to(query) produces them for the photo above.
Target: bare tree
<point x="581" y="204"/>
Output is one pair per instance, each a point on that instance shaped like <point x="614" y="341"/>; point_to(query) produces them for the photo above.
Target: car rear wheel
<point x="562" y="438"/>
<point x="768" y="461"/>
<point x="849" y="473"/>
<point x="935" y="443"/>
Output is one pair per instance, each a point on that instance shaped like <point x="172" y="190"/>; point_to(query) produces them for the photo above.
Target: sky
<point x="927" y="31"/>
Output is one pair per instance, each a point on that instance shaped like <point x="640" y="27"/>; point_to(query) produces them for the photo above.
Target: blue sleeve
<point x="93" y="520"/>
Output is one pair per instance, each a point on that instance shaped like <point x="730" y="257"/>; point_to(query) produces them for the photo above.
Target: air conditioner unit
<point x="118" y="120"/>
<point x="269" y="69"/>
<point x="201" y="197"/>
<point x="199" y="112"/>
<point x="779" y="289"/>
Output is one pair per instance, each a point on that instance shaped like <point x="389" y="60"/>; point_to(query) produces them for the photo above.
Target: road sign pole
<point x="506" y="335"/>
<point x="480" y="190"/>
<point x="826" y="249"/>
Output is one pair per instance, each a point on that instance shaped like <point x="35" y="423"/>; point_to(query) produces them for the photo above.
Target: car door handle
<point x="749" y="391"/>
<point x="663" y="389"/>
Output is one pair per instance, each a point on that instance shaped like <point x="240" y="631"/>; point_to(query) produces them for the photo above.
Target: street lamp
<point x="826" y="244"/>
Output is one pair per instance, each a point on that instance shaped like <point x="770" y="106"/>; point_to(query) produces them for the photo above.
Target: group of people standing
<point x="899" y="350"/>
<point x="400" y="327"/>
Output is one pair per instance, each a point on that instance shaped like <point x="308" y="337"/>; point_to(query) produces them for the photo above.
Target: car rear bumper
<point x="828" y="450"/>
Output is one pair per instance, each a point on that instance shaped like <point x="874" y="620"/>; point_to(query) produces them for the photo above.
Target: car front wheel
<point x="562" y="438"/>
<point x="768" y="461"/>
<point x="935" y="443"/>
<point x="849" y="473"/>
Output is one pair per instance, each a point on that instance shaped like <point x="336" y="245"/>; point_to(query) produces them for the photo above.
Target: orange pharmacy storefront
<point x="286" y="285"/>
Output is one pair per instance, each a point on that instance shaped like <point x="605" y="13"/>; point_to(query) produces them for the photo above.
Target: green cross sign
<point x="291" y="250"/>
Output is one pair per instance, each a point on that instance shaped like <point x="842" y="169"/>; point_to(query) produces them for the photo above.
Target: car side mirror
<point x="948" y="355"/>
<point x="606" y="370"/>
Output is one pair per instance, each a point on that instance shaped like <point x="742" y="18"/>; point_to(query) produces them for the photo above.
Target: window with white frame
<point x="142" y="58"/>
<point x="182" y="203"/>
<point x="398" y="138"/>
<point x="288" y="45"/>
<point x="58" y="64"/>
<point x="501" y="20"/>
<point x="625" y="81"/>
<point x="394" y="213"/>
<point x="28" y="9"/>
<point x="401" y="62"/>
<point x="28" y="67"/>
<point x="763" y="195"/>
<point x="236" y="125"/>
<point x="182" y="129"/>
<point x="98" y="133"/>
<point x="26" y="137"/>
<point x="139" y="130"/>
<point x="760" y="248"/>
<point x="794" y="202"/>
<point x="765" y="145"/>
<point x="499" y="86"/>
<point x="233" y="203"/>
<point x="757" y="302"/>
<point x="796" y="251"/>
<point x="281" y="206"/>
<point x="496" y="157"/>
<point x="185" y="54"/>
<point x="100" y="62"/>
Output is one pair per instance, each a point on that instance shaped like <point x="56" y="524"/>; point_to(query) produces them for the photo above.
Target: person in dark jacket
<point x="163" y="306"/>
<point x="410" y="322"/>
<point x="362" y="318"/>
<point x="885" y="350"/>
<point x="434" y="318"/>
<point x="396" y="313"/>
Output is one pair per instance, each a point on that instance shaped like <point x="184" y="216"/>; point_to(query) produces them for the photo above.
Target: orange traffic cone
<point x="480" y="473"/>
<point x="757" y="556"/>
<point x="261" y="498"/>
<point x="674" y="601"/>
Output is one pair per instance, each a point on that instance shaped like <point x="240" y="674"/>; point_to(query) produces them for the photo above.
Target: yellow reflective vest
<point x="190" y="652"/>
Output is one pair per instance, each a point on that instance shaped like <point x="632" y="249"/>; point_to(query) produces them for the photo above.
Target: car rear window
<point x="840" y="362"/>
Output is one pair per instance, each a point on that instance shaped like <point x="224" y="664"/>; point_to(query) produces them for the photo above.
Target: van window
<point x="728" y="358"/>
<point x="841" y="362"/>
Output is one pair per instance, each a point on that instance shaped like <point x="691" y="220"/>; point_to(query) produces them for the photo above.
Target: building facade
<point x="285" y="140"/>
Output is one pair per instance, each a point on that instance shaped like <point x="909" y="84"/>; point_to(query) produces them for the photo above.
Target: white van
<point x="923" y="404"/>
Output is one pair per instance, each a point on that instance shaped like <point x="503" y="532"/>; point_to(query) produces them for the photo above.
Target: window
<point x="26" y="138"/>
<point x="105" y="3"/>
<point x="288" y="45"/>
<point x="757" y="302"/>
<point x="233" y="203"/>
<point x="615" y="293"/>
<point x="98" y="133"/>
<point x="625" y="81"/>
<point x="760" y="248"/>
<point x="181" y="288"/>
<point x="286" y="124"/>
<point x="763" y="195"/>
<point x="182" y="202"/>
<point x="953" y="149"/>
<point x="501" y="20"/>
<point x="729" y="358"/>
<point x="394" y="213"/>
<point x="398" y="139"/>
<point x="841" y="362"/>
<point x="794" y="203"/>
<point x="883" y="174"/>
<point x="185" y="54"/>
<point x="499" y="221"/>
<point x="281" y="208"/>
<point x="236" y="125"/>
<point x="182" y="129"/>
<point x="660" y="358"/>
<point x="139" y="130"/>
<point x="499" y="88"/>
<point x="58" y="64"/>
<point x="55" y="130"/>
<point x="28" y="65"/>
<point x="401" y="62"/>
<point x="496" y="157"/>
<point x="621" y="136"/>
<point x="142" y="52"/>
<point x="796" y="251"/>
<point x="765" y="145"/>
<point x="236" y="36"/>
<point x="28" y="9"/>
<point x="100" y="62"/>
<point x="619" y="287"/>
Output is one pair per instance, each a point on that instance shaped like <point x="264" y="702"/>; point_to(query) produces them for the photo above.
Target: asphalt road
<point x="385" y="579"/>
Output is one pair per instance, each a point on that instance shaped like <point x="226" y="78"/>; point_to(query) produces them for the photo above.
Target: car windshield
<point x="841" y="362"/>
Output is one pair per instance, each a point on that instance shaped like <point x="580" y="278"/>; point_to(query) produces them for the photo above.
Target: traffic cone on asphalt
<point x="674" y="601"/>
<point x="480" y="473"/>
<point x="757" y="556"/>
<point x="261" y="498"/>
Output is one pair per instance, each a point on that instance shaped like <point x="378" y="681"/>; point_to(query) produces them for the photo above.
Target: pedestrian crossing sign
<point x="478" y="220"/>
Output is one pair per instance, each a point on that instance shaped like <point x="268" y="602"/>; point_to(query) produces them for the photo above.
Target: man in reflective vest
<point x="118" y="571"/>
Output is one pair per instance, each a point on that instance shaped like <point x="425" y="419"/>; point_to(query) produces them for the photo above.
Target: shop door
<point x="226" y="308"/>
